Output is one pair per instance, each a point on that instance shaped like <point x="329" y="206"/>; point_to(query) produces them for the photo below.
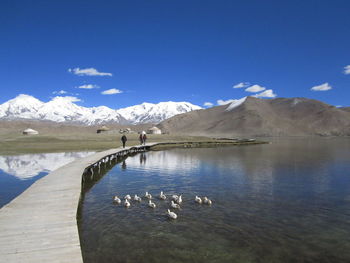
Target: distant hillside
<point x="263" y="117"/>
<point x="15" y="127"/>
<point x="345" y="108"/>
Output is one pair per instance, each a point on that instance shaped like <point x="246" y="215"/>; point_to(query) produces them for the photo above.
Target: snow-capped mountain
<point x="155" y="113"/>
<point x="63" y="109"/>
<point x="59" y="109"/>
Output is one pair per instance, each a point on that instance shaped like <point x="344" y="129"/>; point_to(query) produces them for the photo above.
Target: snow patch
<point x="155" y="113"/>
<point x="235" y="103"/>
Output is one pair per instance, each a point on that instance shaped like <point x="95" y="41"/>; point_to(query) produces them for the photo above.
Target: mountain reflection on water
<point x="29" y="165"/>
<point x="283" y="202"/>
<point x="18" y="172"/>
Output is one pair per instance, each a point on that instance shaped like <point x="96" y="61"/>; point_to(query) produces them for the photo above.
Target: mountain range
<point x="246" y="117"/>
<point x="63" y="109"/>
<point x="257" y="117"/>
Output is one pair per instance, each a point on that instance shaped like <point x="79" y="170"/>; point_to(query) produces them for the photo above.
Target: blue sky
<point x="163" y="50"/>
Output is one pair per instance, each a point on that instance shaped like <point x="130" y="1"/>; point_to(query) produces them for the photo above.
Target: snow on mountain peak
<point x="24" y="105"/>
<point x="155" y="113"/>
<point x="24" y="98"/>
<point x="61" y="109"/>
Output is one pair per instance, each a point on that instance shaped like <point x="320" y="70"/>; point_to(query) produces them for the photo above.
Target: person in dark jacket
<point x="141" y="139"/>
<point x="144" y="138"/>
<point x="124" y="139"/>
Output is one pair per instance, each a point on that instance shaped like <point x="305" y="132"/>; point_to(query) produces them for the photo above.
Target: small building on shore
<point x="29" y="131"/>
<point x="102" y="129"/>
<point x="154" y="130"/>
<point x="126" y="130"/>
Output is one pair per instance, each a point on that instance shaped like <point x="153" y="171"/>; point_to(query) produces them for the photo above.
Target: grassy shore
<point x="11" y="144"/>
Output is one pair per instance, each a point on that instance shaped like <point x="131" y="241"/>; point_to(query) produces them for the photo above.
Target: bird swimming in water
<point x="179" y="199"/>
<point x="148" y="196"/>
<point x="198" y="200"/>
<point x="162" y="195"/>
<point x="173" y="205"/>
<point x="151" y="204"/>
<point x="207" y="201"/>
<point x="116" y="199"/>
<point x="137" y="198"/>
<point x="171" y="215"/>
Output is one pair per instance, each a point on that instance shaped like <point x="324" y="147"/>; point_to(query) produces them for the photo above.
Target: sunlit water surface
<point x="18" y="172"/>
<point x="288" y="201"/>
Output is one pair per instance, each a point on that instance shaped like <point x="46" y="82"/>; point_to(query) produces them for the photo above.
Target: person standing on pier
<point x="144" y="138"/>
<point x="141" y="139"/>
<point x="124" y="139"/>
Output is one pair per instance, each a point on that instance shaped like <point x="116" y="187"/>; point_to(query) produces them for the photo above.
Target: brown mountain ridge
<point x="264" y="117"/>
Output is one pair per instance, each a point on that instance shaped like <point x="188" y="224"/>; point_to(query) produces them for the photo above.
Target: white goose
<point x="151" y="204"/>
<point x="175" y="197"/>
<point x="117" y="200"/>
<point x="179" y="199"/>
<point x="198" y="200"/>
<point x="172" y="215"/>
<point x="126" y="203"/>
<point x="173" y="205"/>
<point x="148" y="196"/>
<point x="162" y="195"/>
<point x="207" y="201"/>
<point x="137" y="198"/>
<point x="127" y="197"/>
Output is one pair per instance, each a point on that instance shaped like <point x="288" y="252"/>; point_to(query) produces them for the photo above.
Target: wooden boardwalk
<point x="40" y="224"/>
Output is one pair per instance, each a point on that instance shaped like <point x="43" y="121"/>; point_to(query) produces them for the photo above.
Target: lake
<point x="18" y="172"/>
<point x="288" y="201"/>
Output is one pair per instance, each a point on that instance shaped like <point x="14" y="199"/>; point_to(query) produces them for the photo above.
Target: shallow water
<point x="18" y="172"/>
<point x="288" y="201"/>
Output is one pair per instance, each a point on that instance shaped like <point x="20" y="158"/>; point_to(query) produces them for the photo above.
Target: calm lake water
<point x="18" y="172"/>
<point x="288" y="201"/>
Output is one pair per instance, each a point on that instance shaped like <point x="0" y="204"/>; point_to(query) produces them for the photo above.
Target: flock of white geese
<point x="176" y="201"/>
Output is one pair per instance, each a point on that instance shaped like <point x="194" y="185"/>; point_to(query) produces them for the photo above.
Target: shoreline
<point x="16" y="145"/>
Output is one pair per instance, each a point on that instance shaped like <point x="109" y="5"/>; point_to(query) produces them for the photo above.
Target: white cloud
<point x="60" y="92"/>
<point x="241" y="85"/>
<point x="266" y="94"/>
<point x="88" y="86"/>
<point x="88" y="72"/>
<point x="111" y="91"/>
<point x="68" y="98"/>
<point x="255" y="88"/>
<point x="208" y="104"/>
<point x="224" y="102"/>
<point x="347" y="70"/>
<point x="322" y="87"/>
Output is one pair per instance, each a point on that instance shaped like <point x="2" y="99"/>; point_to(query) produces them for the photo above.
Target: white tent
<point x="154" y="130"/>
<point x="30" y="132"/>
